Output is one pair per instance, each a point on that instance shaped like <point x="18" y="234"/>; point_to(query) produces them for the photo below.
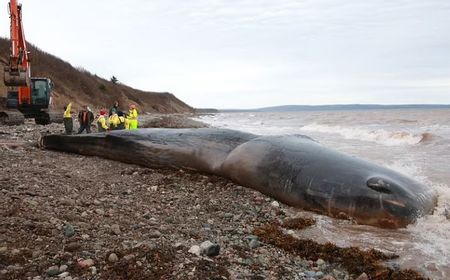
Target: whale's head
<point x="386" y="199"/>
<point x="302" y="173"/>
<point x="345" y="186"/>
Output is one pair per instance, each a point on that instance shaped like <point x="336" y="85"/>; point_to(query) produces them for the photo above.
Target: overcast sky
<point x="255" y="53"/>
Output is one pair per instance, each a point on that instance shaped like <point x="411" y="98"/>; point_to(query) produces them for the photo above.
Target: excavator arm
<point x="17" y="72"/>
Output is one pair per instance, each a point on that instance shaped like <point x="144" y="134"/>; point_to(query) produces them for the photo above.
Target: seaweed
<point x="353" y="259"/>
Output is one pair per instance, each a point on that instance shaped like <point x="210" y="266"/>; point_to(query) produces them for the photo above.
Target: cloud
<point x="259" y="51"/>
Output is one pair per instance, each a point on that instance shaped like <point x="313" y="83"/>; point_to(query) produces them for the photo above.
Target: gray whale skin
<point x="294" y="169"/>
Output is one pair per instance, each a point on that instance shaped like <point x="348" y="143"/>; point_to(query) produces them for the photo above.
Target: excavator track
<point x="11" y="117"/>
<point x="49" y="117"/>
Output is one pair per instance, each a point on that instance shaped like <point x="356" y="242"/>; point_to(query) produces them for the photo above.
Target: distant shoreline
<point x="346" y="107"/>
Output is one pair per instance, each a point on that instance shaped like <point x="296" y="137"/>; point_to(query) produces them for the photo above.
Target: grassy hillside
<point x="82" y="87"/>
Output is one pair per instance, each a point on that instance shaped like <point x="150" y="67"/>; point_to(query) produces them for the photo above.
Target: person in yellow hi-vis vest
<point x="122" y="121"/>
<point x="113" y="121"/>
<point x="132" y="117"/>
<point x="68" y="121"/>
<point x="101" y="122"/>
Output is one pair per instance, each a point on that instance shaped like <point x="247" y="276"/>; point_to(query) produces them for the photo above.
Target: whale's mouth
<point x="395" y="202"/>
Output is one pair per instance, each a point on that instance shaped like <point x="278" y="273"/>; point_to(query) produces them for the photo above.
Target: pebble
<point x="275" y="204"/>
<point x="447" y="211"/>
<point x="209" y="249"/>
<point x="228" y="215"/>
<point x="154" y="234"/>
<point x="72" y="247"/>
<point x="250" y="237"/>
<point x="69" y="231"/>
<point x="116" y="229"/>
<point x="53" y="271"/>
<point x="15" y="252"/>
<point x="320" y="262"/>
<point x="178" y="245"/>
<point x="195" y="250"/>
<point x="100" y="211"/>
<point x="63" y="275"/>
<point x="63" y="268"/>
<point x="147" y="215"/>
<point x="67" y="202"/>
<point x="363" y="276"/>
<point x="328" y="277"/>
<point x="113" y="258"/>
<point x="254" y="243"/>
<point x="86" y="263"/>
<point x="129" y="257"/>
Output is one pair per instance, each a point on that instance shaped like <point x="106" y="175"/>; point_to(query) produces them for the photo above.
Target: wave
<point x="381" y="136"/>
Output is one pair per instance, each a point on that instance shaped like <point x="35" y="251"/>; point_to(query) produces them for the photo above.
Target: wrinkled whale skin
<point x="293" y="169"/>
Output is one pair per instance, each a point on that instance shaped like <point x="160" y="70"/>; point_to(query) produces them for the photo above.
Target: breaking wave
<point x="381" y="136"/>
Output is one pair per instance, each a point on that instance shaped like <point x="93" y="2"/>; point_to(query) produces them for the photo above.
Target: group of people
<point x="116" y="119"/>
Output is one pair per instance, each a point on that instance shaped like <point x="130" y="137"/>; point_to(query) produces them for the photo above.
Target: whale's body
<point x="295" y="169"/>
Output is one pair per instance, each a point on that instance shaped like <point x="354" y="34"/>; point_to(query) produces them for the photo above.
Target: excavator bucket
<point x="16" y="78"/>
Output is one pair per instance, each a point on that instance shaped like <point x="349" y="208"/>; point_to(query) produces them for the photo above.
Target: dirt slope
<point x="82" y="87"/>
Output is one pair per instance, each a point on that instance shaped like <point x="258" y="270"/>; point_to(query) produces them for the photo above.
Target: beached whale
<point x="295" y="169"/>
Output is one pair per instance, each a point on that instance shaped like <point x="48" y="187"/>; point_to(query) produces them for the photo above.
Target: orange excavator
<point x="27" y="97"/>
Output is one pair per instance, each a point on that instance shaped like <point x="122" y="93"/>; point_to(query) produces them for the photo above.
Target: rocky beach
<point x="66" y="216"/>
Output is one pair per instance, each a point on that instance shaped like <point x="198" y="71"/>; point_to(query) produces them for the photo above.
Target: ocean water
<point x="413" y="142"/>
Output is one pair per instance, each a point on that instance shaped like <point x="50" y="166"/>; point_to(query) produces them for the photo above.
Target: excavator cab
<point x="33" y="98"/>
<point x="41" y="92"/>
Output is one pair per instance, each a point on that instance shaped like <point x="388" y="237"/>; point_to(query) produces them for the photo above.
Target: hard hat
<point x="103" y="112"/>
<point x="132" y="106"/>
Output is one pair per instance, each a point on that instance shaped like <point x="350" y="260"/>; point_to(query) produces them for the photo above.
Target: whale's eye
<point x="379" y="185"/>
